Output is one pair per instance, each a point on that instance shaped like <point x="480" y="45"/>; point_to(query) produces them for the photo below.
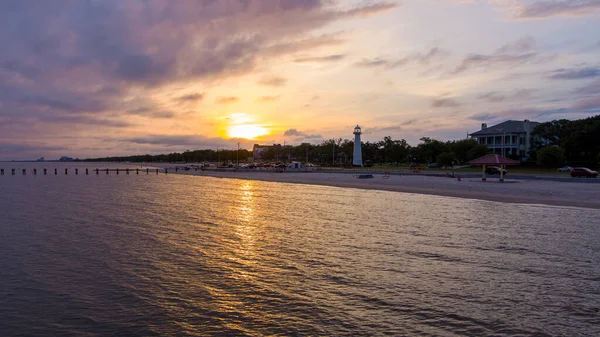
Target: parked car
<point x="565" y="169"/>
<point x="494" y="170"/>
<point x="583" y="172"/>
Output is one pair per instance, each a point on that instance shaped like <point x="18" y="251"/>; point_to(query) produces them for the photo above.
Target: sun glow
<point x="242" y="126"/>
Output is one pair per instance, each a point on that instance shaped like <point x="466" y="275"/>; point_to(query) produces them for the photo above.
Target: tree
<point x="446" y="159"/>
<point x="478" y="151"/>
<point x="461" y="148"/>
<point x="550" y="156"/>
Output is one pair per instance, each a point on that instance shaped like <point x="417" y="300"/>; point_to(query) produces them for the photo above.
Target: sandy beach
<point x="575" y="194"/>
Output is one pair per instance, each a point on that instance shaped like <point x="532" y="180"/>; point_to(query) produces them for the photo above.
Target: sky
<point x="94" y="78"/>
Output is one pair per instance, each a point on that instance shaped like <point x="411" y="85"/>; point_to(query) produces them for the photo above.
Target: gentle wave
<point x="180" y="255"/>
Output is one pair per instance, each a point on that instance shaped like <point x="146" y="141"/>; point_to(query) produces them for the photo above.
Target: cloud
<point x="149" y="112"/>
<point x="550" y="8"/>
<point x="300" y="135"/>
<point x="190" y="97"/>
<point x="328" y="58"/>
<point x="511" y="54"/>
<point x="72" y="58"/>
<point x="588" y="104"/>
<point x="575" y="74"/>
<point x="267" y="99"/>
<point x="384" y="129"/>
<point x="227" y="100"/>
<point x="495" y="96"/>
<point x="273" y="81"/>
<point x="419" y="58"/>
<point x="445" y="103"/>
<point x="522" y="45"/>
<point x="28" y="148"/>
<point x="83" y="120"/>
<point x="592" y="88"/>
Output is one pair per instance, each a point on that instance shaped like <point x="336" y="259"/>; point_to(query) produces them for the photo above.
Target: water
<point x="181" y="255"/>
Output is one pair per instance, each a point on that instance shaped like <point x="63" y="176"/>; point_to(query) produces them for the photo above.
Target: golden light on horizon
<point x="241" y="126"/>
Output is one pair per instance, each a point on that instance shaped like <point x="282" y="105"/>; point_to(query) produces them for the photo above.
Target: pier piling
<point x="106" y="171"/>
<point x="1" y="172"/>
<point x="97" y="171"/>
<point x="86" y="172"/>
<point x="55" y="171"/>
<point x="34" y="171"/>
<point x="126" y="171"/>
<point x="12" y="171"/>
<point x="76" y="171"/>
<point x="147" y="170"/>
<point x="156" y="171"/>
<point x="66" y="171"/>
<point x="117" y="171"/>
<point x="24" y="171"/>
<point x="166" y="170"/>
<point x="45" y="171"/>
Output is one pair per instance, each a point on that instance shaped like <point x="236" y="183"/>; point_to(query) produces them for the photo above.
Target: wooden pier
<point x="96" y="171"/>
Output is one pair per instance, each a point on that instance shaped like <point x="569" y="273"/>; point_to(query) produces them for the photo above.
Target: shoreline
<point x="538" y="192"/>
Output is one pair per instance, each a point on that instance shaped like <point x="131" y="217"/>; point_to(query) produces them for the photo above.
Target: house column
<point x="483" y="177"/>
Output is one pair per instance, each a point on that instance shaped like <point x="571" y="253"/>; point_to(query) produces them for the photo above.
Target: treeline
<point x="560" y="142"/>
<point x="334" y="152"/>
<point x="188" y="156"/>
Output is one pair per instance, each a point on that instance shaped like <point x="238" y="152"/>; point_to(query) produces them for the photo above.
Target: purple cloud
<point x="77" y="61"/>
<point x="549" y="8"/>
<point x="445" y="103"/>
<point x="575" y="74"/>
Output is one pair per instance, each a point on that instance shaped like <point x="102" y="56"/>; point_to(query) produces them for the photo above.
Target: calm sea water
<point x="181" y="255"/>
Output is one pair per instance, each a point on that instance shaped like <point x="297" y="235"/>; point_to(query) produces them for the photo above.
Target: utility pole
<point x="307" y="154"/>
<point x="333" y="155"/>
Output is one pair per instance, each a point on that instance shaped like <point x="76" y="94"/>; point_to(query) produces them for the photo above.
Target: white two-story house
<point x="507" y="138"/>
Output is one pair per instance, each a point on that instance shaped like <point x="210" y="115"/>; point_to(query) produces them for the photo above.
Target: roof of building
<point x="493" y="159"/>
<point x="506" y="127"/>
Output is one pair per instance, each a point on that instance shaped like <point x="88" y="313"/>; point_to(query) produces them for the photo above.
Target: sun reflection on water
<point x="245" y="227"/>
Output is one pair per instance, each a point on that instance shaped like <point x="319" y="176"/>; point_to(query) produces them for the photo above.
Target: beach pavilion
<point x="493" y="159"/>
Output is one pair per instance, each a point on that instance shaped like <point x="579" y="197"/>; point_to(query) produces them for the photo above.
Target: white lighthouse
<point x="357" y="158"/>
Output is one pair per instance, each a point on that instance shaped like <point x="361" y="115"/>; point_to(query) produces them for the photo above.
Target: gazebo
<point x="493" y="159"/>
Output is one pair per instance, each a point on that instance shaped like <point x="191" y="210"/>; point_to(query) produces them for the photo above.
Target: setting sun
<point x="248" y="131"/>
<point x="242" y="125"/>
